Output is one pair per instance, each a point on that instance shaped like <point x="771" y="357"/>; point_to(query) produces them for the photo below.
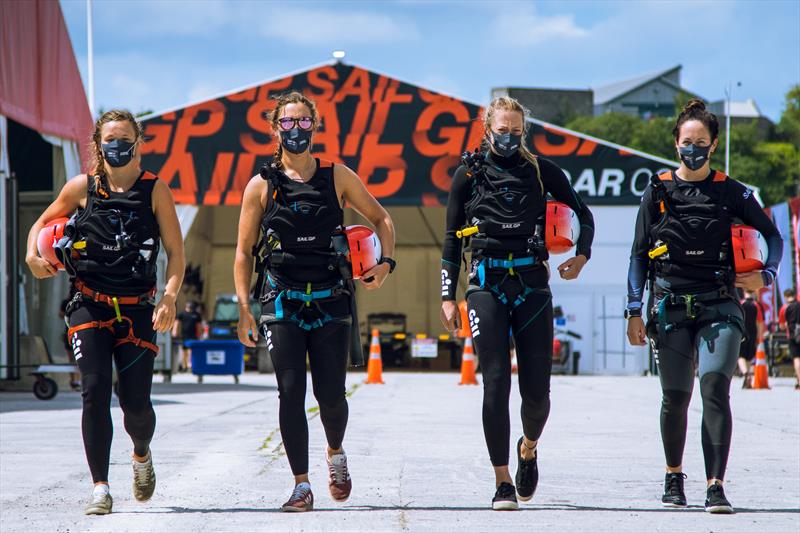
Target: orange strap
<point x="665" y="176"/>
<point x="109" y="300"/>
<point x="109" y="325"/>
<point x="324" y="163"/>
<point x="149" y="176"/>
<point x="719" y="176"/>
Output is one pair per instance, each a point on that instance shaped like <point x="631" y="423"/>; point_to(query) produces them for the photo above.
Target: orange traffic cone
<point x="760" y="372"/>
<point x="375" y="364"/>
<point x="468" y="364"/>
<point x="514" y="367"/>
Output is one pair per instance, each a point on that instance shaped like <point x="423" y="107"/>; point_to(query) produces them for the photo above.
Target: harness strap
<point x="506" y="264"/>
<point x="109" y="325"/>
<point x="98" y="296"/>
<point x="308" y="297"/>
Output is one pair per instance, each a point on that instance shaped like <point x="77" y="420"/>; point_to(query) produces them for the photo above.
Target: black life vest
<point x="121" y="236"/>
<point x="508" y="209"/>
<point x="301" y="229"/>
<point x="696" y="230"/>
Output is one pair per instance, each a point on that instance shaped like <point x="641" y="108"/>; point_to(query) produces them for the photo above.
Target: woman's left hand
<point x="570" y="268"/>
<point x="374" y="277"/>
<point x="164" y="314"/>
<point x="750" y="281"/>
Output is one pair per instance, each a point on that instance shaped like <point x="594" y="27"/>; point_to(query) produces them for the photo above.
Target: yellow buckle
<point x="116" y="308"/>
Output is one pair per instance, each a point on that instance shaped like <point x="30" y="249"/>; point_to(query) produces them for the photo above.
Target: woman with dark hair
<point x="110" y="246"/>
<point x="683" y="245"/>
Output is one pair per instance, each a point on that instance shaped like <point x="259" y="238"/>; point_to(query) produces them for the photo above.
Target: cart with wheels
<point x="217" y="357"/>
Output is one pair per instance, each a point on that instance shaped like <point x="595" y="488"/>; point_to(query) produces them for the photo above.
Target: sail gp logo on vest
<point x="695" y="252"/>
<point x="306" y="239"/>
<point x="111" y="248"/>
<point x="512" y="225"/>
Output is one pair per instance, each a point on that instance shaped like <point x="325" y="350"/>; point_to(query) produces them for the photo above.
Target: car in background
<point x="394" y="338"/>
<point x="224" y="320"/>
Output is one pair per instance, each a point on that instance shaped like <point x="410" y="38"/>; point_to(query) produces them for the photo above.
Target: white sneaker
<point x="101" y="501"/>
<point x="144" y="478"/>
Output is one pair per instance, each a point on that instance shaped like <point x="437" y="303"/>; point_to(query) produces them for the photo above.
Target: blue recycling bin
<point x="217" y="357"/>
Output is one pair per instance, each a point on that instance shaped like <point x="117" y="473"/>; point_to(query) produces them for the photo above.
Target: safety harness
<point x="309" y="297"/>
<point x="489" y="263"/>
<point x="120" y="326"/>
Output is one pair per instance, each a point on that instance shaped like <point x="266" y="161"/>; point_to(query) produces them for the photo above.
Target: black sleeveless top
<point x="122" y="238"/>
<point x="303" y="216"/>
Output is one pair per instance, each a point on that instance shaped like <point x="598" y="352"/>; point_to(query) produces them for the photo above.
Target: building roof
<point x="739" y="109"/>
<point x="607" y="93"/>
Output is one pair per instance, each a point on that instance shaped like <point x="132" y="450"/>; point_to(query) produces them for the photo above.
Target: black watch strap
<point x="392" y="263"/>
<point x="633" y="312"/>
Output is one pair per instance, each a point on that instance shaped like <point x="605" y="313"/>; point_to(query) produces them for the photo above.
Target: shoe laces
<point x="300" y="492"/>
<point x="338" y="469"/>
<point x="506" y="490"/>
<point x="142" y="472"/>
<point x="675" y="482"/>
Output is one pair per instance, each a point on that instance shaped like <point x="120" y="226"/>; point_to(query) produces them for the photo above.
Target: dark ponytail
<point x="695" y="109"/>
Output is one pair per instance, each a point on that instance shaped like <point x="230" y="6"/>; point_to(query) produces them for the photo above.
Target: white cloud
<point x="525" y="27"/>
<point x="337" y="28"/>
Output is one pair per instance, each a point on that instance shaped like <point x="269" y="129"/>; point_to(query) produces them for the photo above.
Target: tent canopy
<point x="40" y="85"/>
<point x="404" y="141"/>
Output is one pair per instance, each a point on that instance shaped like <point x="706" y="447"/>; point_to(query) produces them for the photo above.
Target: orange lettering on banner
<point x="180" y="164"/>
<point x="244" y="171"/>
<point x="157" y="136"/>
<point x="431" y="97"/>
<point x="257" y="120"/>
<point x="454" y="135"/>
<point x="388" y="156"/>
<point x="356" y="84"/>
<point x="359" y="125"/>
<point x="624" y="152"/>
<point x="543" y="146"/>
<point x="587" y="147"/>
<point x="321" y="78"/>
<point x="476" y="132"/>
<point x="219" y="178"/>
<point x="328" y="135"/>
<point x="380" y="88"/>
<point x="248" y="95"/>
<point x="187" y="127"/>
<point x="266" y="90"/>
<point x="378" y="123"/>
<point x="442" y="170"/>
<point x="430" y="199"/>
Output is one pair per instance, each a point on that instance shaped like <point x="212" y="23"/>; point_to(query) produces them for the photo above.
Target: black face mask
<point x="506" y="144"/>
<point x="693" y="156"/>
<point x="296" y="140"/>
<point x="118" y="153"/>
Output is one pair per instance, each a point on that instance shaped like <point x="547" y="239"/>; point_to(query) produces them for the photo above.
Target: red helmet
<point x="365" y="249"/>
<point x="49" y="235"/>
<point x="749" y="248"/>
<point x="562" y="228"/>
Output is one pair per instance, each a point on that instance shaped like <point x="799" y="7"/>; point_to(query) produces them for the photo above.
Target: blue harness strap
<point x="306" y="297"/>
<point x="505" y="264"/>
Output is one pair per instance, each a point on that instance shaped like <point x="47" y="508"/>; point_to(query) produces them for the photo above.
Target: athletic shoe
<point x="101" y="501"/>
<point x="144" y="478"/>
<point x="716" y="502"/>
<point x="339" y="477"/>
<point x="505" y="499"/>
<point x="673" y="490"/>
<point x="301" y="499"/>
<point x="527" y="474"/>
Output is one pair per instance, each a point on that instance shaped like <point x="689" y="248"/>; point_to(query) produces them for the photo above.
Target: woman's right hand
<point x="40" y="268"/>
<point x="637" y="335"/>
<point x="247" y="326"/>
<point x="450" y="315"/>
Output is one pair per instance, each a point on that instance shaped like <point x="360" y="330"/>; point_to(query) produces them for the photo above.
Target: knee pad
<point x="675" y="401"/>
<point x="715" y="389"/>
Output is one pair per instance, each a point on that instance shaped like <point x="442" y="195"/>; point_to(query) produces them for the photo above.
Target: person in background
<point x="188" y="325"/>
<point x="753" y="334"/>
<point x="789" y="320"/>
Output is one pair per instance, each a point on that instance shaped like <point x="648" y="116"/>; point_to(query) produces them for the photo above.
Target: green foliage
<point x="772" y="165"/>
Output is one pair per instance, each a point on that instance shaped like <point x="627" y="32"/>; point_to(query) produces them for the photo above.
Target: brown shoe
<point x="301" y="500"/>
<point x="339" y="482"/>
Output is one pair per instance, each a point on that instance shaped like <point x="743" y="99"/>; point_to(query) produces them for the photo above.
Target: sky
<point x="156" y="55"/>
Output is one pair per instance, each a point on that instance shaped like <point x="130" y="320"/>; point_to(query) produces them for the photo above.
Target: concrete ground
<point x="417" y="458"/>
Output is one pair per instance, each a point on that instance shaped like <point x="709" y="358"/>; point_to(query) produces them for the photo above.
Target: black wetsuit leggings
<point x="93" y="349"/>
<point x="327" y="348"/>
<point x="531" y="323"/>
<point x="709" y="344"/>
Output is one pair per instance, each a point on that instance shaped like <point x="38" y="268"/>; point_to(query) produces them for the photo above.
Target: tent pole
<point x="90" y="52"/>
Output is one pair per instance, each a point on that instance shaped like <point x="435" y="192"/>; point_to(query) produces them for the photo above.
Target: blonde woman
<point x="296" y="207"/>
<point x="123" y="216"/>
<point x="502" y="192"/>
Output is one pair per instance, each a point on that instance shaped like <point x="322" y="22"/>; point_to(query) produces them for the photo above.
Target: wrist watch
<point x="392" y="263"/>
<point x="632" y="312"/>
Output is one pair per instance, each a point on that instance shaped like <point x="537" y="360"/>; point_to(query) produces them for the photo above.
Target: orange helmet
<point x="49" y="235"/>
<point x="749" y="248"/>
<point x="562" y="228"/>
<point x="365" y="249"/>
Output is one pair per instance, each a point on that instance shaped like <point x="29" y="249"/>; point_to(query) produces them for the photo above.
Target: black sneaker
<point x="527" y="474"/>
<point x="505" y="499"/>
<point x="673" y="490"/>
<point x="716" y="502"/>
